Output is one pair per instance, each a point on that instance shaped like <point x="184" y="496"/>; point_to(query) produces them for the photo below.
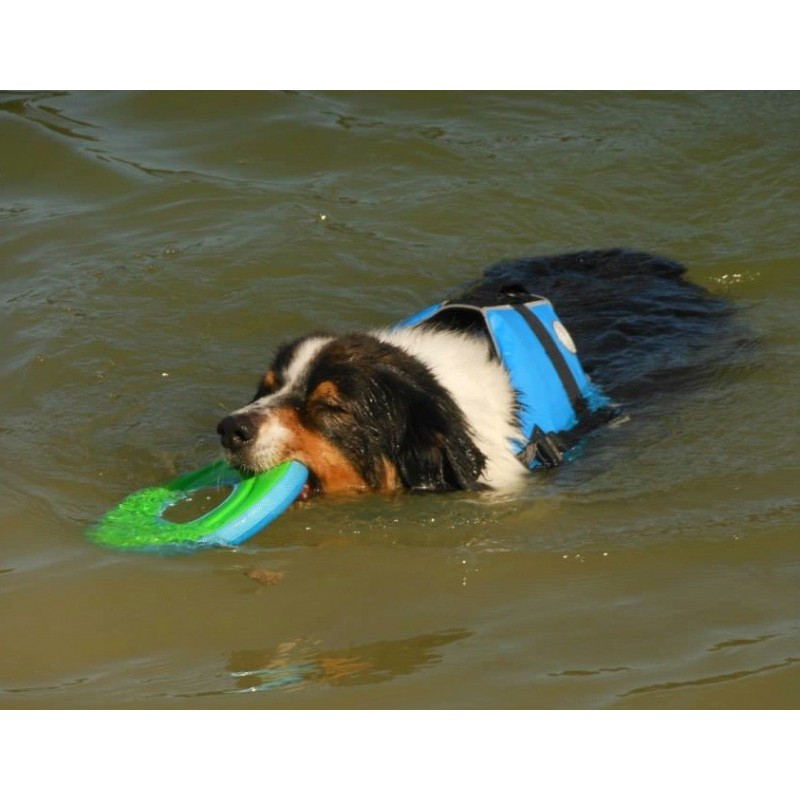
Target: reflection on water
<point x="294" y="663"/>
<point x="714" y="679"/>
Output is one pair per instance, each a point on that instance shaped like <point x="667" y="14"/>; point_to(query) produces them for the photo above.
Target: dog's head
<point x="361" y="414"/>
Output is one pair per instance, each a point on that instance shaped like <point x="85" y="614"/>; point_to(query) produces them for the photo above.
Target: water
<point x="155" y="247"/>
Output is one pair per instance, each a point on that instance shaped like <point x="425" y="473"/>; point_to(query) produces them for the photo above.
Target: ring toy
<point x="137" y="522"/>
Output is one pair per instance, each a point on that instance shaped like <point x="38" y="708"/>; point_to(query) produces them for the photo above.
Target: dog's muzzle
<point x="237" y="431"/>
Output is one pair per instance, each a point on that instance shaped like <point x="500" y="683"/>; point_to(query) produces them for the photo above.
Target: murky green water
<point x="155" y="247"/>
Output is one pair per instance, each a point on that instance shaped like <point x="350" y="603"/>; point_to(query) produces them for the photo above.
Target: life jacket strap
<point x="543" y="449"/>
<point x="547" y="449"/>
<point x="574" y="394"/>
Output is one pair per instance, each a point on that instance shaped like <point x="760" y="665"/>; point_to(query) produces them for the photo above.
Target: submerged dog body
<point x="431" y="408"/>
<point x="416" y="408"/>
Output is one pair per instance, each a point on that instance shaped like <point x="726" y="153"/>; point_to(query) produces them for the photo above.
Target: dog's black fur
<point x="640" y="326"/>
<point x="365" y="414"/>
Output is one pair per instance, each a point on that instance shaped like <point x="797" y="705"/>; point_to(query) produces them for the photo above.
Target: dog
<point x="433" y="406"/>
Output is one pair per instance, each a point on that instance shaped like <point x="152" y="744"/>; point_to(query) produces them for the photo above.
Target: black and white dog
<point x="432" y="408"/>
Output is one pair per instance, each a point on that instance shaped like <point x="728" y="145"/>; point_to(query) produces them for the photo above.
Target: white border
<point x="414" y="45"/>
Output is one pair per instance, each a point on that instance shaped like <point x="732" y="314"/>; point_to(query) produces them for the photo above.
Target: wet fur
<point x="429" y="409"/>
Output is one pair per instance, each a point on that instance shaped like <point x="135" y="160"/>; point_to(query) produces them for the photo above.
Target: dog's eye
<point x="328" y="404"/>
<point x="333" y="408"/>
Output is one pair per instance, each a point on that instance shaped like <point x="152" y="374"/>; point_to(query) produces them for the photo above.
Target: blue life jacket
<point x="557" y="402"/>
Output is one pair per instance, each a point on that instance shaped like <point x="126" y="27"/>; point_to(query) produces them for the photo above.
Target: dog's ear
<point x="403" y="414"/>
<point x="463" y="461"/>
<point x="436" y="452"/>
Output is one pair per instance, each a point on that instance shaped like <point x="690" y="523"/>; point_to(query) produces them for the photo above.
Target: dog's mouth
<point x="312" y="488"/>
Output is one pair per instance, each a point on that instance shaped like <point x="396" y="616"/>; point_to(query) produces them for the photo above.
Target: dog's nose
<point x="236" y="431"/>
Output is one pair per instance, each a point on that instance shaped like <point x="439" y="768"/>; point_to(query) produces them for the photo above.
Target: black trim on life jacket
<point x="576" y="398"/>
<point x="548" y="449"/>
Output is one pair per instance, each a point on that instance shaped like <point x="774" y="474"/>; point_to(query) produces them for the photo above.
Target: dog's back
<point x="639" y="325"/>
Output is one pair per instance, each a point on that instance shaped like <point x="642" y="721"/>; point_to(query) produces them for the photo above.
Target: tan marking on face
<point x="336" y="473"/>
<point x="326" y="392"/>
<point x="270" y="381"/>
<point x="391" y="480"/>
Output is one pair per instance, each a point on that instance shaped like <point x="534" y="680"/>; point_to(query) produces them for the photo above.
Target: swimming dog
<point x="445" y="401"/>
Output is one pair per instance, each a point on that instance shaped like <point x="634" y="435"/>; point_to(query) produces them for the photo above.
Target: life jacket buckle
<point x="546" y="448"/>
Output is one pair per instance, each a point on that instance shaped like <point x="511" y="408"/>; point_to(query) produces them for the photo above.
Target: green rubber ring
<point x="137" y="522"/>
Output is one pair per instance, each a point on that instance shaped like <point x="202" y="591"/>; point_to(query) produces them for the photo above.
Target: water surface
<point x="155" y="247"/>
